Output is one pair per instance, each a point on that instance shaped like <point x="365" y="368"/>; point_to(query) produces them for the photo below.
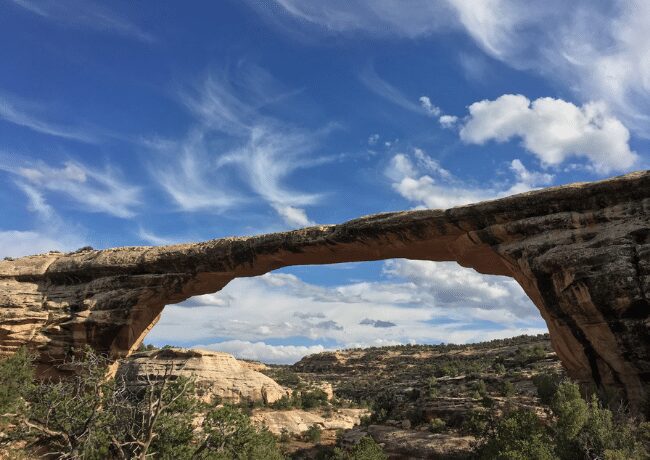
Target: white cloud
<point x="553" y="130"/>
<point x="373" y="139"/>
<point x="430" y="108"/>
<point x="421" y="180"/>
<point x="37" y="202"/>
<point x="93" y="190"/>
<point x="295" y="217"/>
<point x="260" y="351"/>
<point x="154" y="239"/>
<point x="87" y="14"/>
<point x="234" y="154"/>
<point x="15" y="243"/>
<point x="19" y="113"/>
<point x="448" y="121"/>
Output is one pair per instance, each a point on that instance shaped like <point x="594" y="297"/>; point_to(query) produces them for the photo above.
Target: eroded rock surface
<point x="215" y="374"/>
<point x="581" y="252"/>
<point x="297" y="421"/>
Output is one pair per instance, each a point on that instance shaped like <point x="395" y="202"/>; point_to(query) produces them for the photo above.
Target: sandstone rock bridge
<point x="581" y="252"/>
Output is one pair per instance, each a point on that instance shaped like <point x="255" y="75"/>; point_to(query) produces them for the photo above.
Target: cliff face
<point x="581" y="252"/>
<point x="215" y="373"/>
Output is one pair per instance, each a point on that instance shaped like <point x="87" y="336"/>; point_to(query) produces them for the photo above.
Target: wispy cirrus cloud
<point x="93" y="190"/>
<point x="22" y="113"/>
<point x="371" y="80"/>
<point x="234" y="154"/>
<point x="85" y="14"/>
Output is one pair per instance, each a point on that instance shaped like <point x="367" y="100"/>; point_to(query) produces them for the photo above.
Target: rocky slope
<point x="216" y="374"/>
<point x="430" y="401"/>
<point x="581" y="252"/>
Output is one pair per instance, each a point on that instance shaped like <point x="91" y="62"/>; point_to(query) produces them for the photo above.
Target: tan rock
<point x="298" y="421"/>
<point x="412" y="444"/>
<point x="215" y="373"/>
<point x="581" y="252"/>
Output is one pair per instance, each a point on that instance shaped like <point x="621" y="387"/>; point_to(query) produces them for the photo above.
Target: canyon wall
<point x="580" y="251"/>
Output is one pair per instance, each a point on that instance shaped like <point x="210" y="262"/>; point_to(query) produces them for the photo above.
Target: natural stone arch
<point x="581" y="252"/>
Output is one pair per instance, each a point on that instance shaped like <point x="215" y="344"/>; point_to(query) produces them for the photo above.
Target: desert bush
<point x="519" y="435"/>
<point x="313" y="433"/>
<point x="476" y="423"/>
<point x="229" y="434"/>
<point x="528" y="355"/>
<point x="365" y="449"/>
<point x="507" y="388"/>
<point x="437" y="425"/>
<point x="578" y="429"/>
<point x="89" y="416"/>
<point x="546" y="385"/>
<point x="16" y="375"/>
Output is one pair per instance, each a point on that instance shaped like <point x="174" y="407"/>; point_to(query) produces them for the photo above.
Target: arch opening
<point x="285" y="314"/>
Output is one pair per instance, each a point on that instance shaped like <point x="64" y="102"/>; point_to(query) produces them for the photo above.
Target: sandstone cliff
<point x="581" y="252"/>
<point x="215" y="373"/>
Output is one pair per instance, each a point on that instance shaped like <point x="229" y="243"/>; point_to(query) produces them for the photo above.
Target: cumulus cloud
<point x="421" y="180"/>
<point x="233" y="154"/>
<point x="553" y="130"/>
<point x="93" y="190"/>
<point x="260" y="351"/>
<point x="416" y="302"/>
<point x="448" y="121"/>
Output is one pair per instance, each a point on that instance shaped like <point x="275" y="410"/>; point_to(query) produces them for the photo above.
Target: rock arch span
<point x="581" y="252"/>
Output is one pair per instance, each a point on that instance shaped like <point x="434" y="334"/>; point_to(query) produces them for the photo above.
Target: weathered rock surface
<point x="215" y="373"/>
<point x="298" y="421"/>
<point x="581" y="252"/>
<point x="413" y="445"/>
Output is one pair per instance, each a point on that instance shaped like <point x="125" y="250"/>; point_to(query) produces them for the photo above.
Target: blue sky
<point x="137" y="123"/>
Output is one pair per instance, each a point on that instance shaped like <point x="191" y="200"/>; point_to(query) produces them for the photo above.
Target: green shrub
<point x="546" y="385"/>
<point x="229" y="434"/>
<point x="313" y="398"/>
<point x="480" y="389"/>
<point x="499" y="368"/>
<point x="313" y="433"/>
<point x="507" y="388"/>
<point x="519" y="435"/>
<point x="16" y="377"/>
<point x="367" y="449"/>
<point x="476" y="423"/>
<point x="437" y="425"/>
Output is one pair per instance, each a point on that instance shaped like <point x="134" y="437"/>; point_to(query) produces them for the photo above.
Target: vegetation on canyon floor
<point x="509" y="397"/>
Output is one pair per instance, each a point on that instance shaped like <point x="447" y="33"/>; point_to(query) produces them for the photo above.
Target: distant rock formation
<point x="581" y="252"/>
<point x="215" y="374"/>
